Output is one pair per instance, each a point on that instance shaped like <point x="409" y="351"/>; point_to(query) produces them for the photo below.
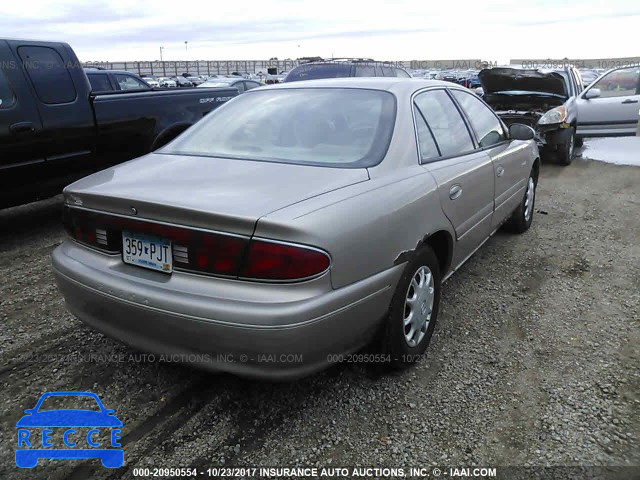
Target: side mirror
<point x="479" y="91"/>
<point x="29" y="411"/>
<point x="519" y="131"/>
<point x="109" y="411"/>
<point x="592" y="93"/>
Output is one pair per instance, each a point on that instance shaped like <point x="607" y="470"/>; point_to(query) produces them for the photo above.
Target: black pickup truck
<point x="53" y="129"/>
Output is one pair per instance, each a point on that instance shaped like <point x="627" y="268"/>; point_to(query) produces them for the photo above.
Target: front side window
<point x="7" y="98"/>
<point x="619" y="83"/>
<point x="250" y="85"/>
<point x="349" y="128"/>
<point x="47" y="71"/>
<point x="486" y="125"/>
<point x="127" y="82"/>
<point x="445" y="122"/>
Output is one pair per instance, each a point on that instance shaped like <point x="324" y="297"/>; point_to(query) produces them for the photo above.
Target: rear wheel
<point x="414" y="310"/>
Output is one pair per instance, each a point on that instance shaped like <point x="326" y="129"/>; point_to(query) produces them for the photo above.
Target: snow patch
<point x="618" y="150"/>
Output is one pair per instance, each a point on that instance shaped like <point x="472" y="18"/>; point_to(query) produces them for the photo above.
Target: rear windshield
<point x="336" y="127"/>
<point x="322" y="70"/>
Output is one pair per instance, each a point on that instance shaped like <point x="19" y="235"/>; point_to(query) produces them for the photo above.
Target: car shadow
<point x="33" y="221"/>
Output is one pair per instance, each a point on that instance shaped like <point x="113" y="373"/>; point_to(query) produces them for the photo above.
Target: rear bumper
<point x="259" y="330"/>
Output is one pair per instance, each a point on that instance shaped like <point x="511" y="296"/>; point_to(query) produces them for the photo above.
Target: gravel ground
<point x="534" y="362"/>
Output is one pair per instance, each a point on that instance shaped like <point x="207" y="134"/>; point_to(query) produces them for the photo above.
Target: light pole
<point x="161" y="48"/>
<point x="185" y="46"/>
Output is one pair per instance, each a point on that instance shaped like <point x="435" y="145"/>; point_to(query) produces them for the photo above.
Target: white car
<point x="609" y="106"/>
<point x="166" y="82"/>
<point x="153" y="83"/>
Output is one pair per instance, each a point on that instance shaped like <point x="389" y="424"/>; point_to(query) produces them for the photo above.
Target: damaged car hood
<point x="496" y="80"/>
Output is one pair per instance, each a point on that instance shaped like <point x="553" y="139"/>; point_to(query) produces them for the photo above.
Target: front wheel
<point x="566" y="151"/>
<point x="522" y="217"/>
<point x="414" y="310"/>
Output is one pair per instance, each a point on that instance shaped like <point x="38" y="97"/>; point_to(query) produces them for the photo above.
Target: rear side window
<point x="7" y="98"/>
<point x="99" y="82"/>
<point x="445" y="121"/>
<point x="486" y="125"/>
<point x="365" y="71"/>
<point x="47" y="71"/>
<point x="322" y="70"/>
<point x="428" y="147"/>
<point x="387" y="71"/>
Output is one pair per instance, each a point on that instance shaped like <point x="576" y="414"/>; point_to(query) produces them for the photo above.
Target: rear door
<point x="21" y="148"/>
<point x="615" y="111"/>
<point x="511" y="159"/>
<point x="464" y="173"/>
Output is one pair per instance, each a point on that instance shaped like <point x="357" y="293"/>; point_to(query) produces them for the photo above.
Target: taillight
<point x="210" y="253"/>
<point x="88" y="228"/>
<point x="278" y="261"/>
<point x="201" y="251"/>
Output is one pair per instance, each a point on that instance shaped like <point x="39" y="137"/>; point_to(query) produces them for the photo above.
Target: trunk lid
<point x="522" y="80"/>
<point x="214" y="193"/>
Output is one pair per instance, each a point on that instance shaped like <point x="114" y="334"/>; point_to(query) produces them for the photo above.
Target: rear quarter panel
<point x="364" y="227"/>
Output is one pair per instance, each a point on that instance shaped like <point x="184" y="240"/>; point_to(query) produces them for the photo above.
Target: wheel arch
<point x="441" y="242"/>
<point x="168" y="134"/>
<point x="536" y="168"/>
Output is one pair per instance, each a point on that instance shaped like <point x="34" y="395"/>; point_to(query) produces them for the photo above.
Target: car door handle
<point x="500" y="171"/>
<point x="22" y="127"/>
<point x="455" y="191"/>
<point x="628" y="100"/>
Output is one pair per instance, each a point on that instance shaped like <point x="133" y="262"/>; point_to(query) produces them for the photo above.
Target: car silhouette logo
<point x="69" y="425"/>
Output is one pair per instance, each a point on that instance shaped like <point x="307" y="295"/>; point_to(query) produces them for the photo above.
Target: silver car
<point x="296" y="224"/>
<point x="610" y="105"/>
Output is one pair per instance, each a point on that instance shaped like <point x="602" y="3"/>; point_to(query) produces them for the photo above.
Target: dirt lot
<point x="534" y="362"/>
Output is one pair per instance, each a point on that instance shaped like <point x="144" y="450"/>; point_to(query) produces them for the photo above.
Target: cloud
<point x="405" y="29"/>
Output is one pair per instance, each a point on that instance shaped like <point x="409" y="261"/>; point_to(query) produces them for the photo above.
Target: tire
<point x="566" y="151"/>
<point x="522" y="217"/>
<point x="421" y="281"/>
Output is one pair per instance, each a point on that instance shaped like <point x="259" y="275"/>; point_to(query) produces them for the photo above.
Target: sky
<point x="491" y="30"/>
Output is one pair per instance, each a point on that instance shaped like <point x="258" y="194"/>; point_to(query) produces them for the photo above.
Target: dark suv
<point x="344" y="67"/>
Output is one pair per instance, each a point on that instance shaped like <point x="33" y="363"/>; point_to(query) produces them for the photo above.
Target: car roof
<point x="225" y="79"/>
<point x="396" y="85"/>
<point x="102" y="70"/>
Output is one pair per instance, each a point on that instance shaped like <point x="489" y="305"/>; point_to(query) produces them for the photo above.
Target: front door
<point x="616" y="110"/>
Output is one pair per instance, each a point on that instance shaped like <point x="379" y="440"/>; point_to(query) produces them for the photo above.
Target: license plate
<point x="147" y="251"/>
